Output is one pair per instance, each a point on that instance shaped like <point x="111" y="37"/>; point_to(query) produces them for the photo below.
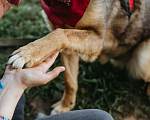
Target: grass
<point x="100" y="86"/>
<point x="23" y="21"/>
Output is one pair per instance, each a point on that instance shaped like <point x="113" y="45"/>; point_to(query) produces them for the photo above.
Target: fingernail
<point x="63" y="68"/>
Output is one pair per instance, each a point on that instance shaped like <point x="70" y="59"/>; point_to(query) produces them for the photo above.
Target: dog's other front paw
<point x="59" y="107"/>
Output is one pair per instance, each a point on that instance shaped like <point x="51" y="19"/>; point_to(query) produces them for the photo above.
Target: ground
<point x="100" y="86"/>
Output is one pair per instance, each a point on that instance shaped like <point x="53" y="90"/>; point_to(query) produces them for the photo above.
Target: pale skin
<point x="17" y="80"/>
<point x="4" y="7"/>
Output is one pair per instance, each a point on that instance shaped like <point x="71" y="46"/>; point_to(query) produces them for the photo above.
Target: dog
<point x="107" y="30"/>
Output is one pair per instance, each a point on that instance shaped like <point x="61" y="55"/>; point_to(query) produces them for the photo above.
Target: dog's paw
<point x="148" y="91"/>
<point x="59" y="107"/>
<point x="40" y="115"/>
<point x="19" y="58"/>
<point x="24" y="56"/>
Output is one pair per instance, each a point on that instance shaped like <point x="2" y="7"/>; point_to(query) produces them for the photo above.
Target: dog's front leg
<point x="71" y="84"/>
<point x="36" y="52"/>
<point x="85" y="43"/>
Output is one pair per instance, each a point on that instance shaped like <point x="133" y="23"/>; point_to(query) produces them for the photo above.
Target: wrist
<point x="13" y="81"/>
<point x="12" y="84"/>
<point x="9" y="97"/>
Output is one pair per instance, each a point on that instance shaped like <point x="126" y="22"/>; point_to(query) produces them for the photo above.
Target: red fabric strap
<point x="131" y="4"/>
<point x="60" y="13"/>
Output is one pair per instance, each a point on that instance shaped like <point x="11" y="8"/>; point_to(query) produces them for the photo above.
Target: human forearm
<point x="9" y="97"/>
<point x="17" y="80"/>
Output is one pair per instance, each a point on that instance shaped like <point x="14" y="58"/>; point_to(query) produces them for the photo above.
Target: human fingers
<point x="3" y="1"/>
<point x="8" y="68"/>
<point x="7" y="6"/>
<point x="48" y="62"/>
<point x="54" y="73"/>
<point x="41" y="79"/>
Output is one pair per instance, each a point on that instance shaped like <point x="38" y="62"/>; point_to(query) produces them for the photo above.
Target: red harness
<point x="59" y="13"/>
<point x="131" y="4"/>
<point x="128" y="6"/>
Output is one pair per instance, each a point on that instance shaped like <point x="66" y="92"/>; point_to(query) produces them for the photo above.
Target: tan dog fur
<point x="96" y="36"/>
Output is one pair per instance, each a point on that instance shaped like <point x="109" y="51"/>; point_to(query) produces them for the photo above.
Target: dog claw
<point x="11" y="68"/>
<point x="6" y="64"/>
<point x="10" y="56"/>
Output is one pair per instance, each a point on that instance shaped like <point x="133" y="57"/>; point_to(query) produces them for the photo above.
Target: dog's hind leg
<point x="139" y="65"/>
<point x="71" y="73"/>
<point x="148" y="90"/>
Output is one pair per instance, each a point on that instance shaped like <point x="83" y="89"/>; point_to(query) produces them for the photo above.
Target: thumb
<point x="54" y="73"/>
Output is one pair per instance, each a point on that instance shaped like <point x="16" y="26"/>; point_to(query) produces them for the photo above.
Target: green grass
<point x="100" y="86"/>
<point x="23" y="21"/>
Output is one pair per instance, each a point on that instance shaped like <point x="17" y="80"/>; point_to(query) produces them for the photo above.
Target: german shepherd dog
<point x="106" y="31"/>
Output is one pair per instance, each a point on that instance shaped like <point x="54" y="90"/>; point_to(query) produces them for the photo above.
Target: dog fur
<point x="97" y="35"/>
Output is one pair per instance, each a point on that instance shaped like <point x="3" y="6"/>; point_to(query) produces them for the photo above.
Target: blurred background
<point x="100" y="86"/>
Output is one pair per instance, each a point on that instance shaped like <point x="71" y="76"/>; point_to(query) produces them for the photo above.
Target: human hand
<point x="4" y="7"/>
<point x="36" y="76"/>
